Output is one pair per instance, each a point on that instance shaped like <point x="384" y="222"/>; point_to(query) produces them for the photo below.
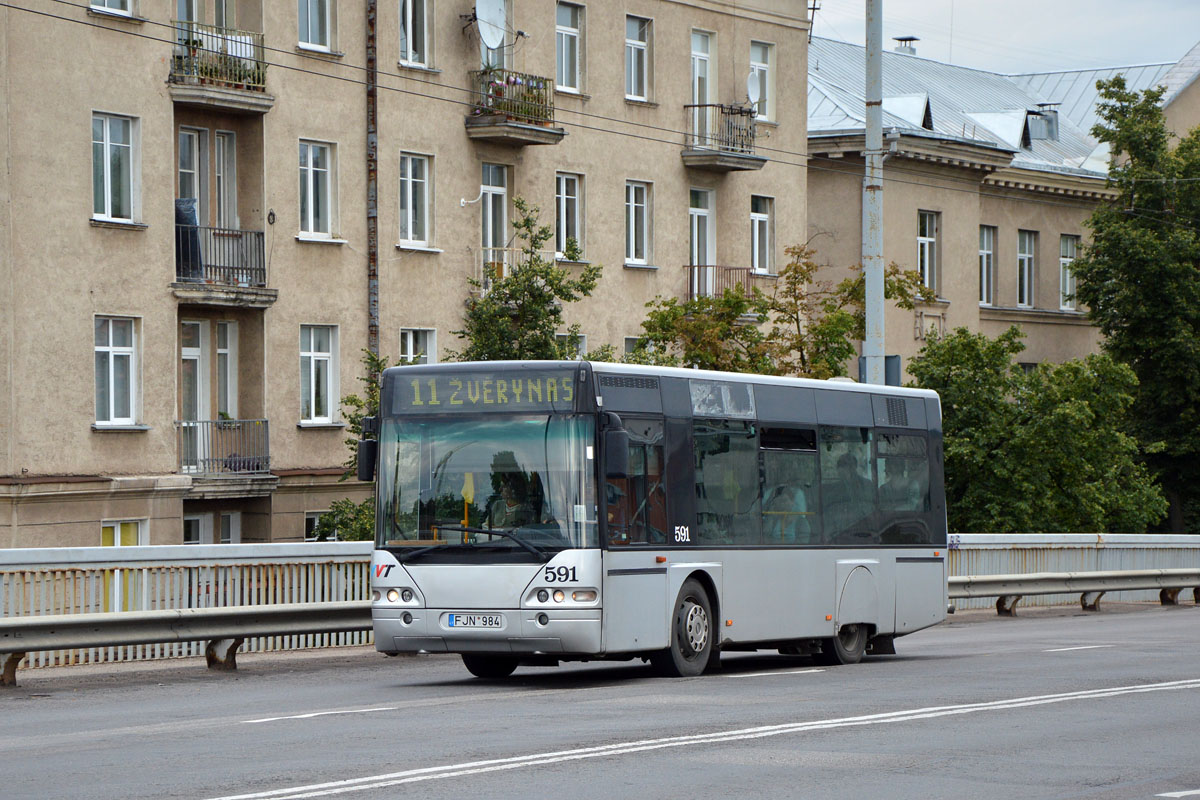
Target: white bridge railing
<point x="94" y="580"/>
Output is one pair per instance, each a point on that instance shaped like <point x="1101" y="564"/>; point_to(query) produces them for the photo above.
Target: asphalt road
<point x="1047" y="705"/>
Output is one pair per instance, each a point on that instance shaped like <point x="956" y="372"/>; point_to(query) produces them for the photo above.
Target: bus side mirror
<point x="368" y="451"/>
<point x="616" y="453"/>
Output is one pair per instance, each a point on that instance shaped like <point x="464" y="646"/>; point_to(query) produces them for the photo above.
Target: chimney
<point x="906" y="45"/>
<point x="1049" y="112"/>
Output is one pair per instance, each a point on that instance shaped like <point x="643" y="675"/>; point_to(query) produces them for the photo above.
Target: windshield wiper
<point x="510" y="533"/>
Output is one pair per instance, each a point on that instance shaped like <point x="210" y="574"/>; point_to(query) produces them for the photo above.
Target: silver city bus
<point x="539" y="512"/>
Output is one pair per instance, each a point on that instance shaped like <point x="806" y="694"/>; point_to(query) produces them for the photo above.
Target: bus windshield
<point x="480" y="487"/>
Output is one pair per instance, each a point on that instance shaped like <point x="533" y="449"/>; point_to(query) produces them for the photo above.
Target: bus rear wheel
<point x="847" y="647"/>
<point x="489" y="666"/>
<point x="691" y="648"/>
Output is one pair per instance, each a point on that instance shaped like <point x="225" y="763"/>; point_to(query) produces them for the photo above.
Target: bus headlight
<point x="393" y="595"/>
<point x="584" y="596"/>
<point x="543" y="595"/>
<point x="559" y="596"/>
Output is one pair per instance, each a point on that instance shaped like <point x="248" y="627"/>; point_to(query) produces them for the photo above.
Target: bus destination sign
<point x="448" y="392"/>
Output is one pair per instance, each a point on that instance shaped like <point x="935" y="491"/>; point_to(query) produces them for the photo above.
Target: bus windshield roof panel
<point x="474" y="388"/>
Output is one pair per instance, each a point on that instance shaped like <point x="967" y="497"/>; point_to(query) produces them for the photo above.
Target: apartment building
<point x="186" y="293"/>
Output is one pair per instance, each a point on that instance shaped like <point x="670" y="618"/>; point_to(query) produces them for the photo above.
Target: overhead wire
<point x="972" y="186"/>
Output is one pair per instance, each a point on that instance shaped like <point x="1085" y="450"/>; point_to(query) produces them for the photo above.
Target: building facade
<point x="186" y="293"/>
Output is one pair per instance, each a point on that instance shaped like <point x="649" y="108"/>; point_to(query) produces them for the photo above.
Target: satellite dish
<point x="492" y="22"/>
<point x="752" y="87"/>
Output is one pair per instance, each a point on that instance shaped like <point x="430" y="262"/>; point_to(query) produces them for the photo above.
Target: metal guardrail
<point x="718" y="126"/>
<point x="225" y="256"/>
<point x="223" y="57"/>
<point x="1091" y="586"/>
<point x="224" y="448"/>
<point x="516" y="96"/>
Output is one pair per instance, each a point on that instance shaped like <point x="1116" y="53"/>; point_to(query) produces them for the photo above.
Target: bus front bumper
<point x="566" y="632"/>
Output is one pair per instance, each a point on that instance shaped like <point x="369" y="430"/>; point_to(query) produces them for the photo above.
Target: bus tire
<point x="690" y="652"/>
<point x="489" y="666"/>
<point x="847" y="647"/>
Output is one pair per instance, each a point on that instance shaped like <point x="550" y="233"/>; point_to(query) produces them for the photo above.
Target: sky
<point x="1011" y="36"/>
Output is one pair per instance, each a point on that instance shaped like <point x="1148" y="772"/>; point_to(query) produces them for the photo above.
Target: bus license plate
<point x="474" y="621"/>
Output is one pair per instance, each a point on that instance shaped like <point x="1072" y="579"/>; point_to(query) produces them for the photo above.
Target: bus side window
<point x="902" y="472"/>
<point x="727" y="490"/>
<point x="789" y="469"/>
<point x="637" y="508"/>
<point x="847" y="486"/>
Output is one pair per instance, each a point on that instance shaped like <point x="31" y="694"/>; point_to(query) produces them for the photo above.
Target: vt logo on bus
<point x="383" y="570"/>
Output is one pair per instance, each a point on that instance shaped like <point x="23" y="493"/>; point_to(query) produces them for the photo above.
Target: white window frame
<point x="632" y="205"/>
<point x="580" y="348"/>
<point x="204" y="531"/>
<point x="112" y="352"/>
<point x="311" y="518"/>
<point x="123" y="8"/>
<point x="1026" y="267"/>
<point x="493" y="215"/>
<point x="235" y="527"/>
<point x="116" y="524"/>
<point x="766" y="80"/>
<point x="197" y="170"/>
<point x="568" y="221"/>
<point x="927" y="247"/>
<point x="564" y="34"/>
<point x="1068" y="251"/>
<point x="408" y="209"/>
<point x="305" y="33"/>
<point x="637" y="59"/>
<point x="630" y="344"/>
<point x="227" y="368"/>
<point x="308" y="174"/>
<point x="107" y="146"/>
<point x="410" y="350"/>
<point x="410" y="12"/>
<point x="987" y="265"/>
<point x="702" y="228"/>
<point x="225" y="178"/>
<point x="762" y="236"/>
<point x="309" y="392"/>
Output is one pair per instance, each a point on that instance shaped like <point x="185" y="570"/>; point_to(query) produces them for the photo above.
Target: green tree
<point x="355" y="407"/>
<point x="1140" y="281"/>
<point x="519" y="315"/>
<point x="1042" y="451"/>
<point x="721" y="332"/>
<point x="347" y="521"/>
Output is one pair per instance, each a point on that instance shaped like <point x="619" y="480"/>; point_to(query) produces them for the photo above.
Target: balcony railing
<point x="728" y="128"/>
<point x="224" y="448"/>
<point x="707" y="280"/>
<point x="218" y="56"/>
<point x="219" y="255"/>
<point x="517" y="96"/>
<point x="493" y="263"/>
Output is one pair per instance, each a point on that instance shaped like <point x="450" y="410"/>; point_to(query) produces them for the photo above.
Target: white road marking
<point x="621" y="748"/>
<point x="1081" y="647"/>
<point x="768" y="674"/>
<point x="312" y="714"/>
<point x="1180" y="794"/>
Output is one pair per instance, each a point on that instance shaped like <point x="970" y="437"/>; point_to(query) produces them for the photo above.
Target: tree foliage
<point x="354" y="407"/>
<point x="1140" y="281"/>
<point x="812" y="322"/>
<point x="1036" y="451"/>
<point x="347" y="521"/>
<point x="521" y="312"/>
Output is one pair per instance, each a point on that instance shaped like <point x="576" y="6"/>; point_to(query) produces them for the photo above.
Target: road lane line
<point x="1189" y="793"/>
<point x="767" y="674"/>
<point x="312" y="714"/>
<point x="1081" y="647"/>
<point x="621" y="748"/>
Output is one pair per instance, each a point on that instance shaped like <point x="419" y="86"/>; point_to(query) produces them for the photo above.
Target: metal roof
<point x="1076" y="89"/>
<point x="965" y="104"/>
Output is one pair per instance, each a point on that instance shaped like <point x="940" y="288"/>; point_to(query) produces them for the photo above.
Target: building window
<point x="631" y="344"/>
<point x="418" y="345"/>
<point x="569" y="18"/>
<point x="197" y="529"/>
<point x="1068" y="249"/>
<point x="112" y="167"/>
<point x="564" y="340"/>
<point x="113" y="6"/>
<point x="567" y="218"/>
<point x="124" y="533"/>
<point x="413" y="33"/>
<point x="1026" y="247"/>
<point x="227" y="342"/>
<point x="637" y="222"/>
<point x="225" y="174"/>
<point x="760" y="73"/>
<point x="318" y="365"/>
<point x="701" y="228"/>
<point x="231" y="527"/>
<point x="316" y="171"/>
<point x="311" y="520"/>
<point x="987" y="264"/>
<point x="316" y="24"/>
<point x="927" y="230"/>
<point x="761" y="238"/>
<point x="116" y="370"/>
<point x="637" y="49"/>
<point x="414" y="199"/>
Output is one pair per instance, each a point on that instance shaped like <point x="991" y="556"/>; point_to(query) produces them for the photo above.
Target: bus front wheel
<point x="691" y="647"/>
<point x="489" y="666"/>
<point x="847" y="647"/>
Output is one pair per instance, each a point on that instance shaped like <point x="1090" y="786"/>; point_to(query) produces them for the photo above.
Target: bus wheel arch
<point x="849" y="644"/>
<point x="692" y="631"/>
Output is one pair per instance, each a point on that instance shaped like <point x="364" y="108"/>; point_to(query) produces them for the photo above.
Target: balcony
<point x="720" y="138"/>
<point x="512" y="108"/>
<point x="221" y="266"/>
<point x="226" y="457"/>
<point x="712" y="281"/>
<point x="219" y="68"/>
